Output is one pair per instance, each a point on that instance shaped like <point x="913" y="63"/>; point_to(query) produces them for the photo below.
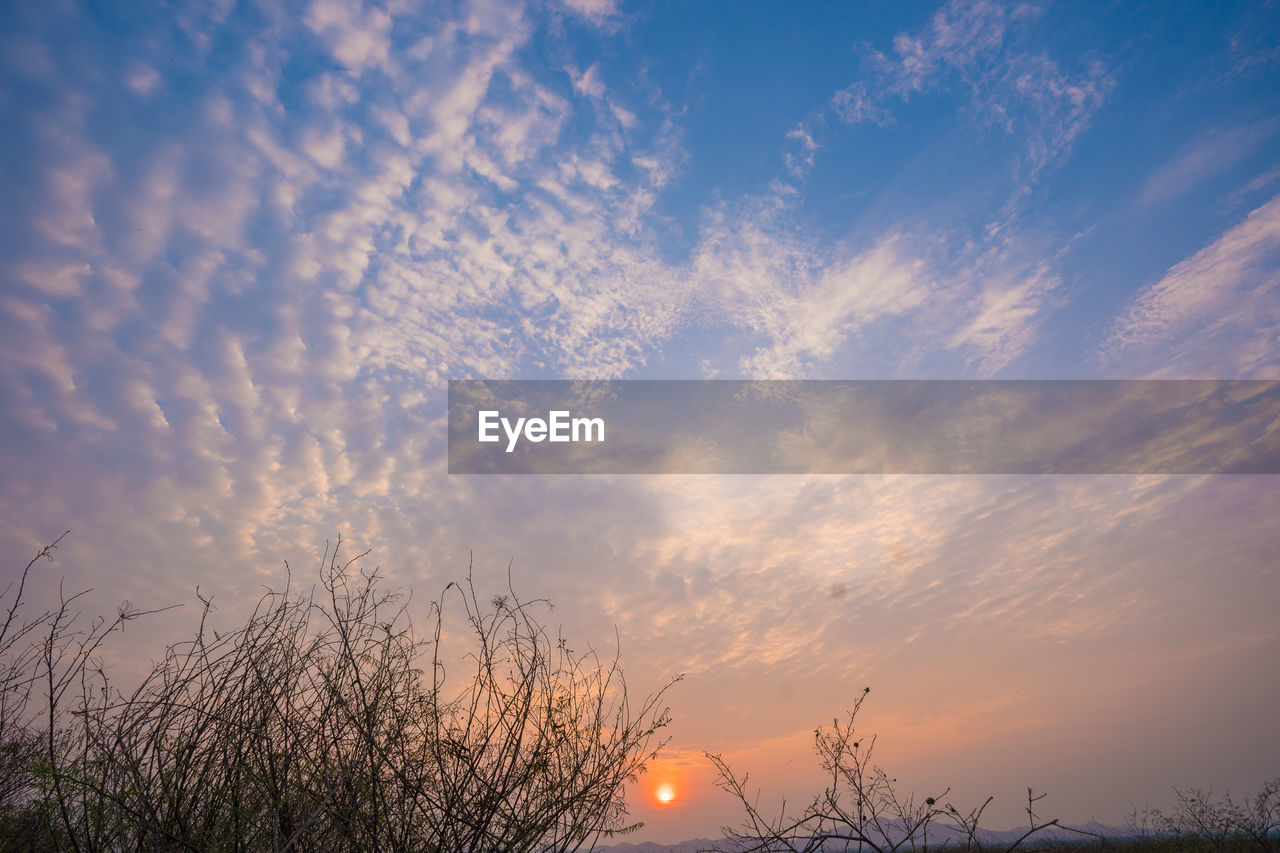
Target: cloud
<point x="588" y="82"/>
<point x="958" y="35"/>
<point x="800" y="306"/>
<point x="601" y="13"/>
<point x="803" y="311"/>
<point x="1050" y="108"/>
<point x="974" y="47"/>
<point x="920" y="562"/>
<point x="799" y="160"/>
<point x="326" y="149"/>
<point x="854" y="106"/>
<point x="1009" y="302"/>
<point x="1214" y="314"/>
<point x="999" y="297"/>
<point x="357" y="37"/>
<point x="143" y="79"/>
<point x="1212" y="153"/>
<point x="270" y="299"/>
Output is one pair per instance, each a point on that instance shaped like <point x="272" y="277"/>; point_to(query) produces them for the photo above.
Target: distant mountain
<point x="692" y="846"/>
<point x="940" y="835"/>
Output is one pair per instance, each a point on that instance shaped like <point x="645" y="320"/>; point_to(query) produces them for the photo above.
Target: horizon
<point x="248" y="244"/>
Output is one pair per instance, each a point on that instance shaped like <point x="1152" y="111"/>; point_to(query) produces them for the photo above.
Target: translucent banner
<point x="864" y="427"/>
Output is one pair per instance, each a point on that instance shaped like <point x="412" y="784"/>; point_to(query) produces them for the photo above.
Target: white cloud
<point x="970" y="45"/>
<point x="854" y="106"/>
<point x="802" y="310"/>
<point x="801" y="305"/>
<point x="143" y="79"/>
<point x="588" y="82"/>
<point x="1216" y="314"/>
<point x="55" y="280"/>
<point x="799" y="160"/>
<point x="601" y="13"/>
<point x="958" y="35"/>
<point x="68" y="216"/>
<point x="326" y="149"/>
<point x="525" y="132"/>
<point x="1004" y="312"/>
<point x="1059" y="106"/>
<point x="1212" y="153"/>
<point x="358" y="37"/>
<point x="473" y="237"/>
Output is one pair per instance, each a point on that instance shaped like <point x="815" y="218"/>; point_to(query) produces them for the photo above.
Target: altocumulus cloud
<point x="252" y="244"/>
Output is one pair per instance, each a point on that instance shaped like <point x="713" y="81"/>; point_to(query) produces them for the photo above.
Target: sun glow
<point x="666" y="793"/>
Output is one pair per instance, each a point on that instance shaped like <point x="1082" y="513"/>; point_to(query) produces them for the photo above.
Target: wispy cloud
<point x="853" y="105"/>
<point x="1214" y="314"/>
<point x="959" y="35"/>
<point x="975" y="47"/>
<point x="1008" y="303"/>
<point x="1212" y="153"/>
<point x="601" y="13"/>
<point x="806" y="310"/>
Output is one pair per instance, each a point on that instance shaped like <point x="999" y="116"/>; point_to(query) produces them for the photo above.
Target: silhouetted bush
<point x="861" y="807"/>
<point x="326" y="722"/>
<point x="1223" y="825"/>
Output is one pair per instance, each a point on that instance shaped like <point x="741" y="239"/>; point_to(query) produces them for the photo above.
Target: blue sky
<point x="244" y="246"/>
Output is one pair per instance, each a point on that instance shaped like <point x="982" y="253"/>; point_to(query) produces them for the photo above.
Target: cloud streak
<point x="1224" y="292"/>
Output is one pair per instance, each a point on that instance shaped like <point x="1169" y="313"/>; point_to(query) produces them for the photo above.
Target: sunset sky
<point x="246" y="244"/>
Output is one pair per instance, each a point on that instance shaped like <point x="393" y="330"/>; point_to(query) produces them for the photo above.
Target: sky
<point x="244" y="245"/>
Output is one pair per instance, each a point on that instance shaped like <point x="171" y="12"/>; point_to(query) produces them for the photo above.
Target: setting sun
<point x="666" y="793"/>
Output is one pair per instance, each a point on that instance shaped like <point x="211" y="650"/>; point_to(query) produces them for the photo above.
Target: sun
<point x="666" y="793"/>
